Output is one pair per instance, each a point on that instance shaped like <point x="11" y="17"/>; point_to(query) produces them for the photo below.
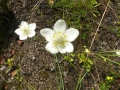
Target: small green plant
<point x="39" y="11"/>
<point x="82" y="57"/>
<point x="69" y="57"/>
<point x="109" y="79"/>
<point x="10" y="64"/>
<point x="17" y="75"/>
<point x="88" y="4"/>
<point x="106" y="84"/>
<point x="87" y="62"/>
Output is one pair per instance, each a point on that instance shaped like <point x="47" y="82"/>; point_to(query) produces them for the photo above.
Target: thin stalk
<point x="30" y="86"/>
<point x="111" y="51"/>
<point x="109" y="59"/>
<point x="70" y="63"/>
<point x="99" y="25"/>
<point x="4" y="79"/>
<point x="80" y="80"/>
<point x="109" y="55"/>
<point x="61" y="78"/>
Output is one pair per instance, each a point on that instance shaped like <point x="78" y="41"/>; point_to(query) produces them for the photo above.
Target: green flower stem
<point x="61" y="77"/>
<point x="109" y="55"/>
<point x="80" y="80"/>
<point x="108" y="59"/>
<point x="72" y="65"/>
<point x="30" y="87"/>
<point x="70" y="62"/>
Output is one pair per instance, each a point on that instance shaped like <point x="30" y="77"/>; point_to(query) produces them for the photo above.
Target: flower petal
<point x="18" y="31"/>
<point x="68" y="48"/>
<point x="47" y="33"/>
<point x="59" y="26"/>
<point x="118" y="52"/>
<point x="51" y="48"/>
<point x="23" y="23"/>
<point x="31" y="34"/>
<point x="23" y="37"/>
<point x="71" y="34"/>
<point x="32" y="26"/>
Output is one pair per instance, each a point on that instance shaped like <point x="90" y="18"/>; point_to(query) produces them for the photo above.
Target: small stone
<point x="33" y="58"/>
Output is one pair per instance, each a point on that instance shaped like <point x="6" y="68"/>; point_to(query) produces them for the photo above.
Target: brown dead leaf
<point x="14" y="73"/>
<point x="2" y="59"/>
<point x="6" y="87"/>
<point x="12" y="51"/>
<point x="20" y="42"/>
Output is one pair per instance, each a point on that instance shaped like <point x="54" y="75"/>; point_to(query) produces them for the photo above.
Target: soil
<point x="38" y="68"/>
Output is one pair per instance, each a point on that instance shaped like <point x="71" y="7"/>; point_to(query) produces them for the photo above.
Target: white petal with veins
<point x="18" y="31"/>
<point x="31" y="34"/>
<point x="68" y="48"/>
<point x="23" y="37"/>
<point x="59" y="26"/>
<point x="32" y="26"/>
<point x="118" y="52"/>
<point x="23" y="23"/>
<point x="51" y="48"/>
<point x="71" y="34"/>
<point x="47" y="33"/>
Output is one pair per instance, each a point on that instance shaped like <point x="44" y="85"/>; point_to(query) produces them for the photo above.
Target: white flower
<point x="26" y="30"/>
<point x="118" y="53"/>
<point x="59" y="39"/>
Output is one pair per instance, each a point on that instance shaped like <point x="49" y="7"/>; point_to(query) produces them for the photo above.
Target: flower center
<point x="59" y="39"/>
<point x="26" y="30"/>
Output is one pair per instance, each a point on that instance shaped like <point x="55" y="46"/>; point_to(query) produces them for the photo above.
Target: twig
<point x="40" y="1"/>
<point x="99" y="25"/>
<point x="33" y="10"/>
<point x="4" y="79"/>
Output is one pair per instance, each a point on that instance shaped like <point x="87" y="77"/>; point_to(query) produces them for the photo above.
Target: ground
<point x="26" y="65"/>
